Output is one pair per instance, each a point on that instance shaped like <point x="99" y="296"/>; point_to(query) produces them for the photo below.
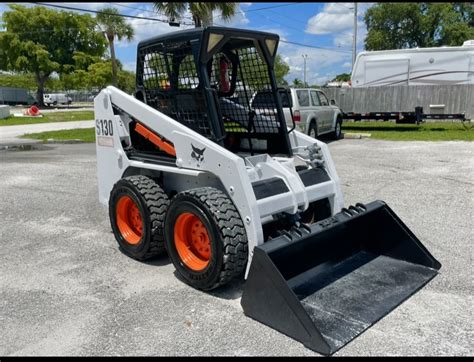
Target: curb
<point x="356" y="136"/>
<point x="21" y="146"/>
<point x="35" y="145"/>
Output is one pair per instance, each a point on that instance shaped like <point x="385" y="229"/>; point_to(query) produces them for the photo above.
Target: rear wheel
<point x="336" y="134"/>
<point x="312" y="130"/>
<point x="137" y="209"/>
<point x="205" y="238"/>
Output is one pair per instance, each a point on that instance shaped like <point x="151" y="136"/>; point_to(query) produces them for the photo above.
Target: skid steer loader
<point x="187" y="165"/>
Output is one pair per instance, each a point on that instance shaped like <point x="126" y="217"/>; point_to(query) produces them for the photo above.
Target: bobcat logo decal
<point x="197" y="154"/>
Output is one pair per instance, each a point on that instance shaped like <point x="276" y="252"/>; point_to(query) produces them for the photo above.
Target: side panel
<point x="386" y="72"/>
<point x="211" y="157"/>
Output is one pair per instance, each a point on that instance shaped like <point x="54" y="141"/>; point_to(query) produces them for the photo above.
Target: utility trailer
<point x="15" y="96"/>
<point x="229" y="191"/>
<point x="403" y="117"/>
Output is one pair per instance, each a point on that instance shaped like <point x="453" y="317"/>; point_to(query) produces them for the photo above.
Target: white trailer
<point x="419" y="66"/>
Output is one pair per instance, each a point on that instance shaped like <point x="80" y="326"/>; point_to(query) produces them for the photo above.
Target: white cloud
<point x="335" y="17"/>
<point x="145" y="29"/>
<point x="237" y="20"/>
<point x="347" y="65"/>
<point x="131" y="66"/>
<point x="281" y="33"/>
<point x="319" y="63"/>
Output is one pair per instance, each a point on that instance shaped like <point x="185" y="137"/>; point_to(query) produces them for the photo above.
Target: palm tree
<point x="201" y="12"/>
<point x="113" y="26"/>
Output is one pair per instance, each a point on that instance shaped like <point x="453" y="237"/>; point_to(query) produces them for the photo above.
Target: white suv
<point x="313" y="114"/>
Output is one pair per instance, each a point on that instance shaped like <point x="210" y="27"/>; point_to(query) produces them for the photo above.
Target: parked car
<point x="54" y="99"/>
<point x="312" y="112"/>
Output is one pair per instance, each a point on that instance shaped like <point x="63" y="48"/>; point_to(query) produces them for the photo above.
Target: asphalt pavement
<point x="66" y="289"/>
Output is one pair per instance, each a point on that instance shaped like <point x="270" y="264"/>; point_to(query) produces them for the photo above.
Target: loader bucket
<point x="325" y="284"/>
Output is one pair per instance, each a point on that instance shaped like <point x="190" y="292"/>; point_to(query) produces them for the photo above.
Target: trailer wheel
<point x="137" y="209"/>
<point x="205" y="238"/>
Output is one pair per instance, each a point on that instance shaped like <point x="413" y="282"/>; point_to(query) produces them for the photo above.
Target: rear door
<point x="304" y="106"/>
<point x="286" y="104"/>
<point x="326" y="112"/>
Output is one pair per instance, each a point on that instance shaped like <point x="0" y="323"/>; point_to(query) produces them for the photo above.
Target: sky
<point x="326" y="27"/>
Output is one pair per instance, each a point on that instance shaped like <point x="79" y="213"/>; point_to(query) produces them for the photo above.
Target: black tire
<point x="313" y="130"/>
<point x="152" y="202"/>
<point x="55" y="103"/>
<point x="226" y="234"/>
<point x="338" y="130"/>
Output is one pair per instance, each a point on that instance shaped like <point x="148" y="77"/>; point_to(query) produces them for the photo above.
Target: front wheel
<point x="205" y="238"/>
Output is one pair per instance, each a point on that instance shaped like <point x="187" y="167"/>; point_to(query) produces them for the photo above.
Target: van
<point x="53" y="99"/>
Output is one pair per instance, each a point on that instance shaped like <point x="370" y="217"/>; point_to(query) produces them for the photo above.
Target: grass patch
<point x="439" y="131"/>
<point x="81" y="134"/>
<point x="49" y="117"/>
<point x="433" y="131"/>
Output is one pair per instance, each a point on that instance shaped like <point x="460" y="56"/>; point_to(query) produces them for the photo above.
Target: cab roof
<point x="200" y="33"/>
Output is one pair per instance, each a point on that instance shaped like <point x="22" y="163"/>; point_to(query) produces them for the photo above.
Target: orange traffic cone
<point x="32" y="111"/>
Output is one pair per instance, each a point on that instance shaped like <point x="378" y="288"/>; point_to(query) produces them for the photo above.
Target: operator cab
<point x="206" y="78"/>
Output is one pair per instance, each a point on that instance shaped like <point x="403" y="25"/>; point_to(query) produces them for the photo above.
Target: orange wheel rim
<point x="192" y="241"/>
<point x="129" y="220"/>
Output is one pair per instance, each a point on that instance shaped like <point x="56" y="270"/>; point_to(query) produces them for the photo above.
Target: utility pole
<point x="304" y="74"/>
<point x="354" y="44"/>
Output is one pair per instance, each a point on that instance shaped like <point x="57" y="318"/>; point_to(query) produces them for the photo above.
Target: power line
<point x="146" y="10"/>
<point x="102" y="12"/>
<point x="265" y="8"/>
<point x="165" y="21"/>
<point x="315" y="47"/>
<point x="273" y="7"/>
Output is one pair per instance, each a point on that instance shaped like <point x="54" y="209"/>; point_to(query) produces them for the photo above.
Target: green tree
<point x="281" y="69"/>
<point x="42" y="41"/>
<point x="99" y="75"/>
<point x="297" y="83"/>
<point x="408" y="25"/>
<point x="201" y="12"/>
<point x="18" y="80"/>
<point x="343" y="77"/>
<point x="114" y="26"/>
<point x="126" y="81"/>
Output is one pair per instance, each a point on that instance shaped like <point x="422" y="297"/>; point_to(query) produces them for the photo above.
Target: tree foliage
<point x="281" y="69"/>
<point x="42" y="41"/>
<point x="408" y="25"/>
<point x="298" y="83"/>
<point x="200" y="11"/>
<point x="343" y="77"/>
<point x="114" y="26"/>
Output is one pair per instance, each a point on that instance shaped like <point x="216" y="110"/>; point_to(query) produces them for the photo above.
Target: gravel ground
<point x="66" y="289"/>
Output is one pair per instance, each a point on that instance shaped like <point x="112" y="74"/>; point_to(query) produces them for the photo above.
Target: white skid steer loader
<point x="187" y="165"/>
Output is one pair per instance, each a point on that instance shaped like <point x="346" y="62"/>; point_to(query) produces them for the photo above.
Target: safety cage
<point x="207" y="78"/>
